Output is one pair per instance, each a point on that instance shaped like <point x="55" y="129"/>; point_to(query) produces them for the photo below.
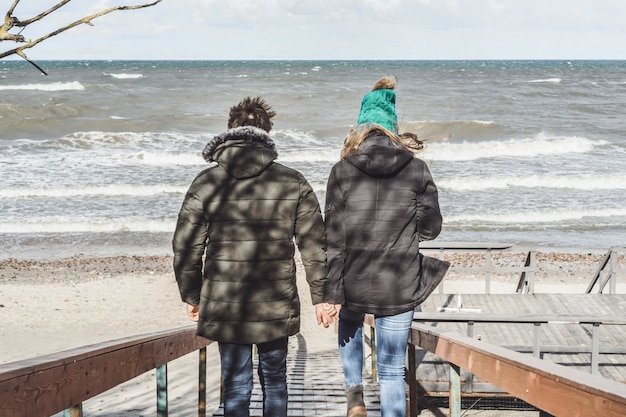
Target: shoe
<point x="356" y="406"/>
<point x="358" y="411"/>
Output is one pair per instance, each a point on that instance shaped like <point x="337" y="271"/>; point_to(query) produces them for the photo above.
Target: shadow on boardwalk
<point x="315" y="384"/>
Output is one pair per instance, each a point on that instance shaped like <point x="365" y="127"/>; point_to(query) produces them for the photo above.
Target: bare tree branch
<point x="10" y="21"/>
<point x="24" y="23"/>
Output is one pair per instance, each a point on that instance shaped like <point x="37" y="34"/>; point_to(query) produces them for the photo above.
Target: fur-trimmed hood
<point x="243" y="152"/>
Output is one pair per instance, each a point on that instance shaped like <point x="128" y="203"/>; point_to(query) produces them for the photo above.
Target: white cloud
<point x="335" y="29"/>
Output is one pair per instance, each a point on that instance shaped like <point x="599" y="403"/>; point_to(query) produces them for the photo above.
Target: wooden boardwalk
<point x="561" y="343"/>
<point x="315" y="381"/>
<point x="315" y="385"/>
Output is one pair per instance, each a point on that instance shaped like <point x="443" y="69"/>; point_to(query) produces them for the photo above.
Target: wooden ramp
<point x="315" y="385"/>
<point x="568" y="344"/>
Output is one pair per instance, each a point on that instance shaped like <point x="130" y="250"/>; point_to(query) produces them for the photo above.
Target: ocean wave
<point x="105" y="190"/>
<point x="124" y="76"/>
<point x="310" y="155"/>
<point x="165" y="159"/>
<point x="458" y="128"/>
<point x="100" y="139"/>
<point x="296" y="136"/>
<point x="534" y="217"/>
<point x="58" y="86"/>
<point x="524" y="148"/>
<point x="576" y="182"/>
<point x="547" y="80"/>
<point x="67" y="225"/>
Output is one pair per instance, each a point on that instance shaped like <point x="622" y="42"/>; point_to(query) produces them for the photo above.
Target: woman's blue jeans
<point x="392" y="334"/>
<point x="236" y="360"/>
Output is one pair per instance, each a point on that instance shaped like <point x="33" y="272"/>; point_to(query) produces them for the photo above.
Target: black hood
<point x="379" y="156"/>
<point x="243" y="152"/>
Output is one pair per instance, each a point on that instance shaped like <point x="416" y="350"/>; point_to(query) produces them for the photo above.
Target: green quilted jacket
<point x="243" y="215"/>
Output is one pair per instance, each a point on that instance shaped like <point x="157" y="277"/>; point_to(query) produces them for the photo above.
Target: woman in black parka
<point x="381" y="201"/>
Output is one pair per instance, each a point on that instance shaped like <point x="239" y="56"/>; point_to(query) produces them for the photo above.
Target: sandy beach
<point x="49" y="306"/>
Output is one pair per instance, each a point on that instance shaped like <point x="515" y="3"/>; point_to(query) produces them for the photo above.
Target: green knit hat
<point x="379" y="105"/>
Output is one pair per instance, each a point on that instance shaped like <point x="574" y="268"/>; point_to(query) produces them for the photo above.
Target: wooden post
<point x="536" y="340"/>
<point x="595" y="348"/>
<point x="373" y="354"/>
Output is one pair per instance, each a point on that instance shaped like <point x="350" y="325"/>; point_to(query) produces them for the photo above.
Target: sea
<point x="96" y="157"/>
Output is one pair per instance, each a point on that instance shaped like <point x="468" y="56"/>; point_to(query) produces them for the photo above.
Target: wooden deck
<point x="315" y="382"/>
<point x="567" y="344"/>
<point x="315" y="385"/>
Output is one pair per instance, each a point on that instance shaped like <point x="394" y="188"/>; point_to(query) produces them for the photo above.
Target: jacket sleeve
<point x="335" y="241"/>
<point x="189" y="244"/>
<point x="428" y="212"/>
<point x="310" y="237"/>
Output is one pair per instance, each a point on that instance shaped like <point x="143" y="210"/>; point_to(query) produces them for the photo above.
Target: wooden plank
<point x="550" y="387"/>
<point x="572" y="339"/>
<point x="47" y="385"/>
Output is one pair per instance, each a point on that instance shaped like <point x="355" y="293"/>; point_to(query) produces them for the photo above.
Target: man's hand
<point x="326" y="313"/>
<point x="192" y="312"/>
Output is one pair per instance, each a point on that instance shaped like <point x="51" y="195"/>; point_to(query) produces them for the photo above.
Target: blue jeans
<point x="392" y="334"/>
<point x="236" y="360"/>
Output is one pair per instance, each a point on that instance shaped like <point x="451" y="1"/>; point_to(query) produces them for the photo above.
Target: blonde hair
<point x="356" y="137"/>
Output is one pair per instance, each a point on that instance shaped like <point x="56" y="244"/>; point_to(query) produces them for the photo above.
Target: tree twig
<point x="10" y="22"/>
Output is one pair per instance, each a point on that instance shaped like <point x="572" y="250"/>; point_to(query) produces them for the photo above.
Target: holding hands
<point x="327" y="313"/>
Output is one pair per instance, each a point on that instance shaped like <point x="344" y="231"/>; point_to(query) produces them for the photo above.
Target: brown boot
<point x="356" y="406"/>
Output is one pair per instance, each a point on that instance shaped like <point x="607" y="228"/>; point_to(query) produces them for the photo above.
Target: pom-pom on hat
<point x="379" y="105"/>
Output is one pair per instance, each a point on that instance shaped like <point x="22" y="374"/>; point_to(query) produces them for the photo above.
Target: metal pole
<point x="455" y="390"/>
<point x="75" y="411"/>
<point x="161" y="379"/>
<point x="202" y="383"/>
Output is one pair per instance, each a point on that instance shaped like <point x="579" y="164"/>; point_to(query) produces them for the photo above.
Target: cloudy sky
<point x="332" y="29"/>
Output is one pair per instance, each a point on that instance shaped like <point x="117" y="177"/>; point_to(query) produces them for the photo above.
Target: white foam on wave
<point x="310" y="155"/>
<point x="296" y="135"/>
<point x="58" y="86"/>
<point x="524" y="148"/>
<point x="165" y="159"/>
<point x="547" y="80"/>
<point x="124" y="76"/>
<point x="534" y="217"/>
<point x="68" y="225"/>
<point x="100" y="139"/>
<point x="104" y="190"/>
<point x="576" y="182"/>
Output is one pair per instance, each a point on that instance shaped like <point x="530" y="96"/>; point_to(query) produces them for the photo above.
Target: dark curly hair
<point x="251" y="112"/>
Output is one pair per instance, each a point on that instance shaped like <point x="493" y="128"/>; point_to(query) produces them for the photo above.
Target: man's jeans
<point x="236" y="362"/>
<point x="392" y="333"/>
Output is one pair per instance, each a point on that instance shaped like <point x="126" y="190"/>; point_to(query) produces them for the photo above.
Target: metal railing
<point x="62" y="381"/>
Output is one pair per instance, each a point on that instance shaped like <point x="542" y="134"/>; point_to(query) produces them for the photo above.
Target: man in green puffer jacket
<point x="243" y="215"/>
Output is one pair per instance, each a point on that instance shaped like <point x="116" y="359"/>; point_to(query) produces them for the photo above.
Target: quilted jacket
<point x="243" y="214"/>
<point x="381" y="202"/>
